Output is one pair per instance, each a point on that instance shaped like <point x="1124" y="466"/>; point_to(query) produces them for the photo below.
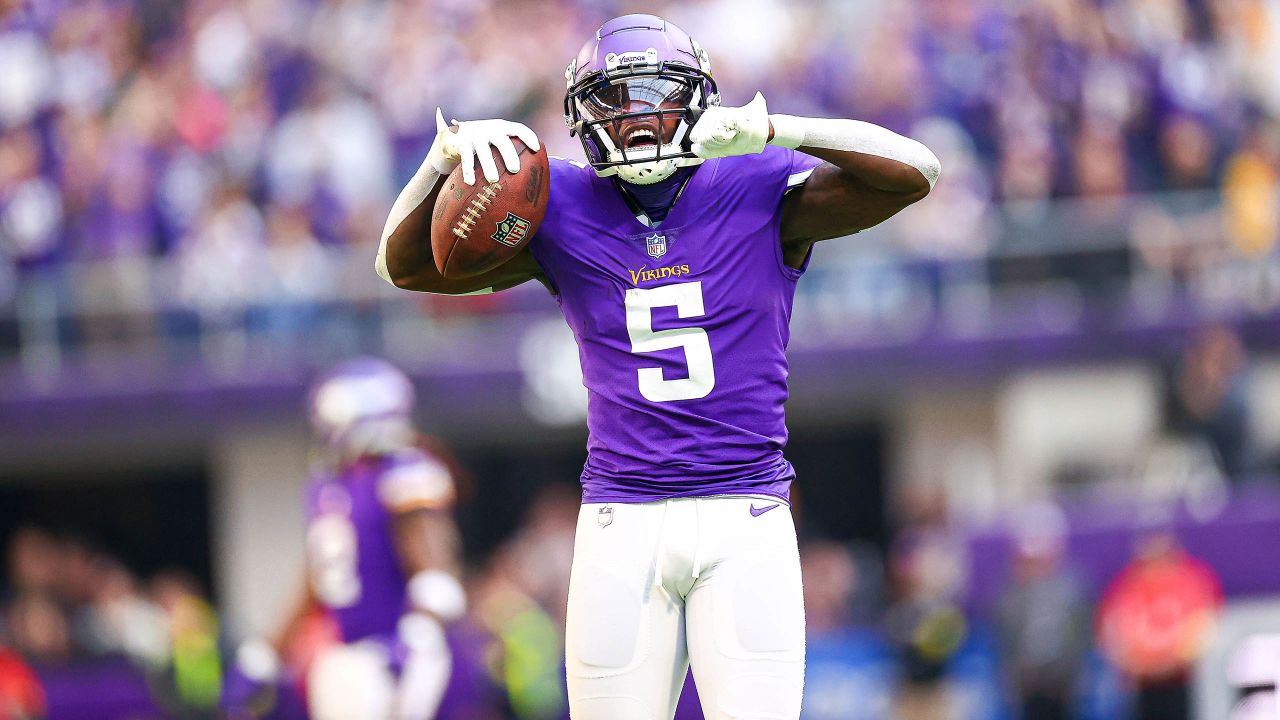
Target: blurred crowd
<point x="241" y="137"/>
<point x="893" y="633"/>
<point x="63" y="600"/>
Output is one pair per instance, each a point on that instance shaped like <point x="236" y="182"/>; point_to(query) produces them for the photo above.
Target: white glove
<point x="468" y="141"/>
<point x="258" y="660"/>
<point x="725" y="132"/>
<point x="428" y="664"/>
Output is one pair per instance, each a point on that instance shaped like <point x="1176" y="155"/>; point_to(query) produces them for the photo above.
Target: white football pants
<point x="657" y="586"/>
<point x="354" y="682"/>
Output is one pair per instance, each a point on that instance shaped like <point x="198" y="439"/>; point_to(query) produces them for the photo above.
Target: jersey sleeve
<point x="796" y="167"/>
<point x="774" y="173"/>
<point x="414" y="481"/>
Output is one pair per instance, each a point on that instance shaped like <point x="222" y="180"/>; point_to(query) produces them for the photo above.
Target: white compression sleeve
<point x="790" y="131"/>
<point x="433" y="168"/>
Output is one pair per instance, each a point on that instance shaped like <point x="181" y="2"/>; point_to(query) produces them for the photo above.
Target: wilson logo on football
<point x="512" y="230"/>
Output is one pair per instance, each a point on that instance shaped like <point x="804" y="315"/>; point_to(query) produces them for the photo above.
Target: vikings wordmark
<point x="662" y="273"/>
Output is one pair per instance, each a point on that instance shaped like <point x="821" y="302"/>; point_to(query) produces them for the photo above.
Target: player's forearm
<point x="405" y="249"/>
<point x="873" y="155"/>
<point x="298" y="612"/>
<point x="429" y="548"/>
<point x="405" y="258"/>
<point x="428" y="540"/>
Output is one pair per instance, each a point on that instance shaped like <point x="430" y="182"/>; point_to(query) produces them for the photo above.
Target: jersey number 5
<point x="687" y="299"/>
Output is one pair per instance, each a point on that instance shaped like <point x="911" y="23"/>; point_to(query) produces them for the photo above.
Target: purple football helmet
<point x="633" y="93"/>
<point x="363" y="407"/>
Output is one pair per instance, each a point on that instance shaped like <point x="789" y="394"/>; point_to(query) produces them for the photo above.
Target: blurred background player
<point x="382" y="559"/>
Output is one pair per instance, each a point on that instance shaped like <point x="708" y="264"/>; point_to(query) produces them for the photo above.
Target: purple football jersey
<point x="353" y="566"/>
<point x="681" y="329"/>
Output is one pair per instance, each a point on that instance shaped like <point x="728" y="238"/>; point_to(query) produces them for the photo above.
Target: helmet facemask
<point x="634" y="119"/>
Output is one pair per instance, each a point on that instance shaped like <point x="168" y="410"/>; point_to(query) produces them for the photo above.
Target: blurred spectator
<point x="192" y="630"/>
<point x="38" y="629"/>
<point x="526" y="656"/>
<point x="1155" y="620"/>
<point x="848" y="676"/>
<point x="33" y="561"/>
<point x="831" y="581"/>
<point x="119" y="620"/>
<point x="1250" y="186"/>
<point x="521" y="599"/>
<point x="1043" y="617"/>
<point x="925" y="622"/>
<point x="1208" y="398"/>
<point x="21" y="696"/>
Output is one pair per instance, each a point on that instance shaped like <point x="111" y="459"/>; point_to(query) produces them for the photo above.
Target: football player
<point x="674" y="254"/>
<point x="382" y="554"/>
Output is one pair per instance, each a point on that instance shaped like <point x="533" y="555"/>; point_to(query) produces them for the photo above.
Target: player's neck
<point x="655" y="201"/>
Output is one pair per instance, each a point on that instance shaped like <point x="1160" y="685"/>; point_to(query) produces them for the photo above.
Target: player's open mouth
<point x="639" y="138"/>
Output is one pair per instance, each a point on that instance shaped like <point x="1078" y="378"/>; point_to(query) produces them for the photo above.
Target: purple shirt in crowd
<point x="681" y="329"/>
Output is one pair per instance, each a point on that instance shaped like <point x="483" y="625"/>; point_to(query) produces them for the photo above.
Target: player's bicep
<point x="831" y="204"/>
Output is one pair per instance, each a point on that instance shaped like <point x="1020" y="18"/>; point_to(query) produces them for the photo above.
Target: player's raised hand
<point x="468" y="142"/>
<point x="724" y="132"/>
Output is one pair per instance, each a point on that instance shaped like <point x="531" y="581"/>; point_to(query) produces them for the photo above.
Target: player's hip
<point x="675" y="541"/>
<point x="712" y="578"/>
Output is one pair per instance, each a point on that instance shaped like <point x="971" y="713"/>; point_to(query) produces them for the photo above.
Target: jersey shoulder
<point x="576" y="203"/>
<point x="569" y="176"/>
<point x="773" y="168"/>
<point x="414" y="479"/>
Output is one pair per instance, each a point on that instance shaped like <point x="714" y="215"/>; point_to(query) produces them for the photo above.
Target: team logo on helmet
<point x="512" y="230"/>
<point x="613" y="61"/>
<point x="656" y="245"/>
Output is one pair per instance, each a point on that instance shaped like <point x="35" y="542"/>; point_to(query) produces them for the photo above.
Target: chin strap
<point x="651" y="172"/>
<point x="792" y="132"/>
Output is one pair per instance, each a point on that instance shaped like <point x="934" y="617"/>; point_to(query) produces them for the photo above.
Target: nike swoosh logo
<point x="757" y="512"/>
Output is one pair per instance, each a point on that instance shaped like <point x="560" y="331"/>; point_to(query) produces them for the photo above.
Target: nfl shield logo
<point x="656" y="245"/>
<point x="512" y="230"/>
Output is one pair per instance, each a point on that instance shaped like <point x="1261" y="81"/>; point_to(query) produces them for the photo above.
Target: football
<point x="476" y="228"/>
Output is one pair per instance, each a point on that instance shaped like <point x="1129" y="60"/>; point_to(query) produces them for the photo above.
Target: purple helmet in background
<point x="634" y="92"/>
<point x="363" y="407"/>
